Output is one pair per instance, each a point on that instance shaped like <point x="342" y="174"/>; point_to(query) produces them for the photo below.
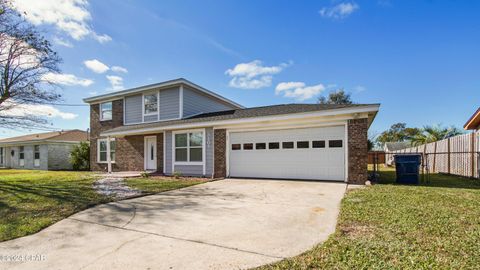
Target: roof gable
<point x="161" y="85"/>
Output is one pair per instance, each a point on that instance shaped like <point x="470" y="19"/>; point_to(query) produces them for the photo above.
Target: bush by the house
<point x="80" y="157"/>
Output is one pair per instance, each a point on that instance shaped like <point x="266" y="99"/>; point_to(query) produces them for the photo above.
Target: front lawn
<point x="155" y="184"/>
<point x="32" y="200"/>
<point x="389" y="226"/>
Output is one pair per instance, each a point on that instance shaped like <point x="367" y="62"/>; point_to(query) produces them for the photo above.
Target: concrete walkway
<point x="228" y="224"/>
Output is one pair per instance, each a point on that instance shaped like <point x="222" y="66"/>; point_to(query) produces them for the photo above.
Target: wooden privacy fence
<point x="377" y="157"/>
<point x="459" y="155"/>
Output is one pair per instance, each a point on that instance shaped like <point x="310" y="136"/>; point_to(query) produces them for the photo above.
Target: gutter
<point x="367" y="109"/>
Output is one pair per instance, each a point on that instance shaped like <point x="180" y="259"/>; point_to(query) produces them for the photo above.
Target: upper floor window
<point x="106" y="111"/>
<point x="150" y="104"/>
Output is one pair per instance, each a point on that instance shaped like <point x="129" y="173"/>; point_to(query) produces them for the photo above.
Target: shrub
<point x="80" y="157"/>
<point x="177" y="174"/>
<point x="145" y="174"/>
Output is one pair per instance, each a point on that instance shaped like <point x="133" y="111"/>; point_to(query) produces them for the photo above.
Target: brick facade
<point x="129" y="149"/>
<point x="97" y="126"/>
<point x="219" y="153"/>
<point x="357" y="150"/>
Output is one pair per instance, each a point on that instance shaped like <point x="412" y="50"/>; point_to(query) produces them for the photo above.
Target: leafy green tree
<point x="430" y="134"/>
<point x="398" y="132"/>
<point x="336" y="97"/>
<point x="80" y="157"/>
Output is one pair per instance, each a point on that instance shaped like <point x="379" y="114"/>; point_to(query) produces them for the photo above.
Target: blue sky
<point x="419" y="59"/>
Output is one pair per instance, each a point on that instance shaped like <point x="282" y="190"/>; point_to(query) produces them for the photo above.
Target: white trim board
<point x="349" y="113"/>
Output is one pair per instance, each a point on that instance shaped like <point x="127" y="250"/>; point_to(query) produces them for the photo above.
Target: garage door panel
<point x="305" y="163"/>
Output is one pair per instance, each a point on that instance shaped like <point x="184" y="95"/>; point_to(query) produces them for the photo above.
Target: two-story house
<point x="178" y="126"/>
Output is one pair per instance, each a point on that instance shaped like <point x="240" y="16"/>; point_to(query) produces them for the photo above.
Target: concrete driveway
<point x="228" y="224"/>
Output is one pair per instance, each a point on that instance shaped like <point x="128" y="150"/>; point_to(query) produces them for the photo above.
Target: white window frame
<point x="2" y="156"/>
<point x="188" y="147"/>
<point x="101" y="111"/>
<point x="36" y="162"/>
<point x="98" y="150"/>
<point x="143" y="104"/>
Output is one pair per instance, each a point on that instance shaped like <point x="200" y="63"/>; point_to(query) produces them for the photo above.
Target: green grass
<point x="157" y="184"/>
<point x="32" y="200"/>
<point x="389" y="226"/>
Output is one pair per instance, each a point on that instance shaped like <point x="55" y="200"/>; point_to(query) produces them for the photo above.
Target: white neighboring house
<point x="390" y="147"/>
<point x="42" y="151"/>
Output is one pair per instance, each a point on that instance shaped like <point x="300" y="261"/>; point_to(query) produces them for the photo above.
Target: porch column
<point x="109" y="158"/>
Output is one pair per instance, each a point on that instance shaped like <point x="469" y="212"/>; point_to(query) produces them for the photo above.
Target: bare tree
<point x="336" y="97"/>
<point x="26" y="57"/>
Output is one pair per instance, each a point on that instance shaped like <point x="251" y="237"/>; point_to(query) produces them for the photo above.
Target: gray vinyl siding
<point x="150" y="118"/>
<point x="169" y="107"/>
<point x="190" y="170"/>
<point x="194" y="103"/>
<point x="168" y="152"/>
<point x="133" y="109"/>
<point x="169" y="104"/>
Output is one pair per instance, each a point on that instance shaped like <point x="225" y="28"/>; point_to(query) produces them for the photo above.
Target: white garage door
<point x="309" y="153"/>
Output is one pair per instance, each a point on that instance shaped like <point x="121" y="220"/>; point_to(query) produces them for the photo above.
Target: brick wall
<point x="160" y="152"/>
<point x="97" y="126"/>
<point x="357" y="151"/>
<point x="219" y="153"/>
<point x="130" y="149"/>
<point x="59" y="156"/>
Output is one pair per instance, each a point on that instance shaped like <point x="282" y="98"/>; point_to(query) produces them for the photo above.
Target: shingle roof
<point x="243" y="113"/>
<point x="395" y="146"/>
<point x="67" y="135"/>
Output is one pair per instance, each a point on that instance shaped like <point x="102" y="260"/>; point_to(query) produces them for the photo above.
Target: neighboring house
<point x="42" y="151"/>
<point x="390" y="147"/>
<point x="474" y="122"/>
<point x="178" y="126"/>
<point x="395" y="146"/>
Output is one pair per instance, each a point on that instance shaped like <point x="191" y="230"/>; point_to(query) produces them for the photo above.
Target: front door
<point x="151" y="153"/>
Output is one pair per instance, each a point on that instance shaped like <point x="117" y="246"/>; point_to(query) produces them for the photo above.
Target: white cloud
<point x="62" y="42"/>
<point x="101" y="38"/>
<point x="116" y="82"/>
<point x="339" y="11"/>
<point x="253" y="75"/>
<point x="96" y="66"/>
<point x="36" y="110"/>
<point x="69" y="16"/>
<point x="298" y="90"/>
<point x="66" y="79"/>
<point x="119" y="69"/>
<point x="93" y="93"/>
<point x="359" y="88"/>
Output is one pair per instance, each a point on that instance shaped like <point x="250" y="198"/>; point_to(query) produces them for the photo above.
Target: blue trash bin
<point x="407" y="167"/>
